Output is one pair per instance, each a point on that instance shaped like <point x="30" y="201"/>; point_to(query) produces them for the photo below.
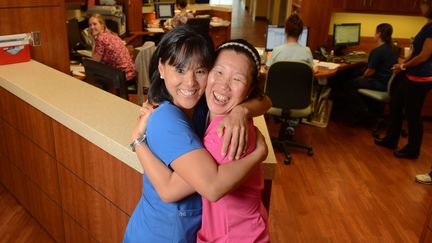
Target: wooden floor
<point x="349" y="191"/>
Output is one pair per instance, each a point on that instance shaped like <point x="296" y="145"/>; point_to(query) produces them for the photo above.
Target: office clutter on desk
<point x="155" y="30"/>
<point x="327" y="65"/>
<point x="86" y="53"/>
<point x="14" y="48"/>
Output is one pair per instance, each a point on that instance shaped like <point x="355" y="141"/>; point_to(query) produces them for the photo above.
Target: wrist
<point x="139" y="140"/>
<point x="243" y="111"/>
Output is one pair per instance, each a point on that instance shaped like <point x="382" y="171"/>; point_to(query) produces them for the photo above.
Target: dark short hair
<point x="247" y="49"/>
<point x="428" y="14"/>
<point x="181" y="3"/>
<point x="293" y="26"/>
<point x="179" y="47"/>
<point x="386" y="31"/>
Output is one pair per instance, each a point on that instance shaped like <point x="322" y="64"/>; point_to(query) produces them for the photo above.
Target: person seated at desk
<point x="292" y="50"/>
<point x="108" y="48"/>
<point x="183" y="16"/>
<point x="378" y="72"/>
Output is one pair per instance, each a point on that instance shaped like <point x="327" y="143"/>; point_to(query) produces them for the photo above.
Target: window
<point x="221" y="2"/>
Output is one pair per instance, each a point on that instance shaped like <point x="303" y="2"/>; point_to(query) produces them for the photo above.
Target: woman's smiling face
<point x="229" y="82"/>
<point x="186" y="85"/>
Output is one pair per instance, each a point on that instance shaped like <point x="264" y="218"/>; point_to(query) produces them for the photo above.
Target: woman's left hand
<point x="233" y="128"/>
<point x="141" y="124"/>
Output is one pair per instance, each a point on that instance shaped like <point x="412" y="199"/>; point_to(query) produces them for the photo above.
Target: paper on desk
<point x="77" y="68"/>
<point x="328" y="65"/>
<point x="86" y="53"/>
<point x="155" y="30"/>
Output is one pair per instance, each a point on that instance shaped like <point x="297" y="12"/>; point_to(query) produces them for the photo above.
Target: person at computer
<point x="413" y="82"/>
<point x="378" y="72"/>
<point x="183" y="16"/>
<point x="292" y="50"/>
<point x="108" y="48"/>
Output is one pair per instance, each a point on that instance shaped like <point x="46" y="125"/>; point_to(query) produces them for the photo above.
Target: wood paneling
<point x="134" y="15"/>
<point x="28" y="3"/>
<point x="3" y="139"/>
<point x="317" y="21"/>
<point x="74" y="232"/>
<point x="50" y="21"/>
<point x="46" y="211"/>
<point x="102" y="171"/>
<point x="29" y="121"/>
<point x="90" y="209"/>
<point x="5" y="173"/>
<point x="33" y="161"/>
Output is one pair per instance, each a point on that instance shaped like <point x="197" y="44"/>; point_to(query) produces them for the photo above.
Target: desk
<point x="321" y="103"/>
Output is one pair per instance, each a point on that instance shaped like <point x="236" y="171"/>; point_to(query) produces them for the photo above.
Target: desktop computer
<point x="275" y="36"/>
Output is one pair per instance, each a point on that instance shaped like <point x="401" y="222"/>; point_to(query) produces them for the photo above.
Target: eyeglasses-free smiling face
<point x="229" y="82"/>
<point x="95" y="26"/>
<point x="186" y="85"/>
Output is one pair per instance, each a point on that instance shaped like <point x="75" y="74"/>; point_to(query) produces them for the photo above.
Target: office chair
<point x="202" y="25"/>
<point x="289" y="86"/>
<point x="383" y="97"/>
<point x="142" y="64"/>
<point x="108" y="78"/>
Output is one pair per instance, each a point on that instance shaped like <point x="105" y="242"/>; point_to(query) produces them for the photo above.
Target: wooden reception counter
<point x="64" y="153"/>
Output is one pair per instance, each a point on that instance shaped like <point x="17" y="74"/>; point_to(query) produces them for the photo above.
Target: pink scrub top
<point x="239" y="216"/>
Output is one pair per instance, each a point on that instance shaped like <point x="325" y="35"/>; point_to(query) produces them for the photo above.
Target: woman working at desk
<point x="292" y="50"/>
<point x="377" y="73"/>
<point x="183" y="16"/>
<point x="409" y="95"/>
<point x="108" y="48"/>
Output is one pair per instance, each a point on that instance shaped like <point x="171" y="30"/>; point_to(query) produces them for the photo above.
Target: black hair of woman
<point x="386" y="31"/>
<point x="181" y="47"/>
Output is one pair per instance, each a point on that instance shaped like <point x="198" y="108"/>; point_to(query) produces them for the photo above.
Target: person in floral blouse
<point x="108" y="48"/>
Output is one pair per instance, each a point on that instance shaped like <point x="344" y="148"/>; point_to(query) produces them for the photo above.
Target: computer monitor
<point x="346" y="34"/>
<point x="303" y="38"/>
<point x="164" y="10"/>
<point x="74" y="36"/>
<point x="276" y="36"/>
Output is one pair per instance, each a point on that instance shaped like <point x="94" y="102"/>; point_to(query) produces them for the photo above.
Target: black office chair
<point x="108" y="78"/>
<point x="289" y="86"/>
<point x="202" y="25"/>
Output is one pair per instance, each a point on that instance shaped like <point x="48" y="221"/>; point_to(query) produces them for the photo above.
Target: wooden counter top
<point x="100" y="117"/>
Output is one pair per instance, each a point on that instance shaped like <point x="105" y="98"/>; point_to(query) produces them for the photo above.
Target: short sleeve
<point x="170" y="133"/>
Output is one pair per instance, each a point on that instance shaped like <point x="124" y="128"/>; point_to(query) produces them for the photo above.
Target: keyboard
<point x="355" y="58"/>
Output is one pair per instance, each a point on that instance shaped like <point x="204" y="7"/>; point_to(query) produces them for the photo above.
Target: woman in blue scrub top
<point x="179" y="70"/>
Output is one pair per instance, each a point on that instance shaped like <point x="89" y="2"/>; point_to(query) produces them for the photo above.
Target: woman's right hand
<point x="396" y="68"/>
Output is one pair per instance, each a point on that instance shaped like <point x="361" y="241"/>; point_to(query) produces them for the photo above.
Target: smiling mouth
<point x="187" y="93"/>
<point x="220" y="98"/>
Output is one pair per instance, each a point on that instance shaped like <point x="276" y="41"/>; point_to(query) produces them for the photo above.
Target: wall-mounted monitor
<point x="276" y="36"/>
<point x="164" y="10"/>
<point x="346" y="34"/>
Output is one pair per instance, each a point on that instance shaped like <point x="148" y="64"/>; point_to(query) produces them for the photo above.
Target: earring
<point x="161" y="77"/>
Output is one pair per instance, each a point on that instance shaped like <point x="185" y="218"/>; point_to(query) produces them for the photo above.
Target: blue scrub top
<point x="170" y="134"/>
